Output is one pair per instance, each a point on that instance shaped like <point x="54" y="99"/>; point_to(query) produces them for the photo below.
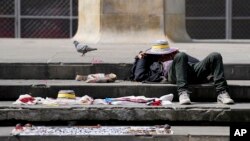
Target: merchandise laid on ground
<point x="91" y="130"/>
<point x="112" y="133"/>
<point x="68" y="97"/>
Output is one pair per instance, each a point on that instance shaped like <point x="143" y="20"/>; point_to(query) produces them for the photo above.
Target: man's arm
<point x="141" y="70"/>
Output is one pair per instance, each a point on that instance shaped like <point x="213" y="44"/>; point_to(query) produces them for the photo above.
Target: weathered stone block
<point x="130" y="21"/>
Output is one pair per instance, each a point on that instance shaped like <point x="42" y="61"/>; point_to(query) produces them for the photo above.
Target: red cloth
<point x="27" y="99"/>
<point x="156" y="103"/>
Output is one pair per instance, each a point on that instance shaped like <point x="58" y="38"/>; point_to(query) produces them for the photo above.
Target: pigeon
<point x="83" y="48"/>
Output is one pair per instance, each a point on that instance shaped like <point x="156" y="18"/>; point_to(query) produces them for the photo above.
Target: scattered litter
<point x="96" y="61"/>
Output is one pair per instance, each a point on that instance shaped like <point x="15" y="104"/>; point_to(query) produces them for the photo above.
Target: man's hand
<point x="141" y="55"/>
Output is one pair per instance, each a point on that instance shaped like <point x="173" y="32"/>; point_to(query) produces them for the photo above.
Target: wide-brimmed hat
<point x="161" y="47"/>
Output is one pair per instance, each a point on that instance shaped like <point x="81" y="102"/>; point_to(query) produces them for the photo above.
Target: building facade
<point x="205" y="19"/>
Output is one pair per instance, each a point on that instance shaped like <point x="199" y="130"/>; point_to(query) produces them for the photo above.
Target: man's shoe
<point x="184" y="98"/>
<point x="224" y="98"/>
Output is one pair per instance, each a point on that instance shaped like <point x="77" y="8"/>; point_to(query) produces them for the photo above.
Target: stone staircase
<point x="203" y="120"/>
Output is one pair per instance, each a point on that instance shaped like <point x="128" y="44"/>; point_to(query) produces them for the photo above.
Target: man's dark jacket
<point x="149" y="70"/>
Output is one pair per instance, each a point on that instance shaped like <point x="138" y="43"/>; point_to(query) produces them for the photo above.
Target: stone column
<point x="130" y="21"/>
<point x="175" y="22"/>
<point x="89" y="23"/>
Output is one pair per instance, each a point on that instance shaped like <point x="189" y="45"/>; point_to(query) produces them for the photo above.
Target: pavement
<point x="63" y="51"/>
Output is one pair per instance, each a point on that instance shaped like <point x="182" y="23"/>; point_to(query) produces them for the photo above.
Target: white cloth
<point x="26" y="99"/>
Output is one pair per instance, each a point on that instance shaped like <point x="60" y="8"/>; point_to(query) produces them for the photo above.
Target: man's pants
<point x="183" y="73"/>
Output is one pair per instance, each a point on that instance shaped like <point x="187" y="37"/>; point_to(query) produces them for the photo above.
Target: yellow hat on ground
<point x="68" y="94"/>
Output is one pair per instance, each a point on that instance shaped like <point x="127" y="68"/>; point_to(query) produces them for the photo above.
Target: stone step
<point x="181" y="133"/>
<point x="197" y="113"/>
<point x="11" y="89"/>
<point x="69" y="70"/>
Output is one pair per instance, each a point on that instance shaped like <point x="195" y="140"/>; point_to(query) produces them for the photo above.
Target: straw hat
<point x="68" y="94"/>
<point x="161" y="47"/>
